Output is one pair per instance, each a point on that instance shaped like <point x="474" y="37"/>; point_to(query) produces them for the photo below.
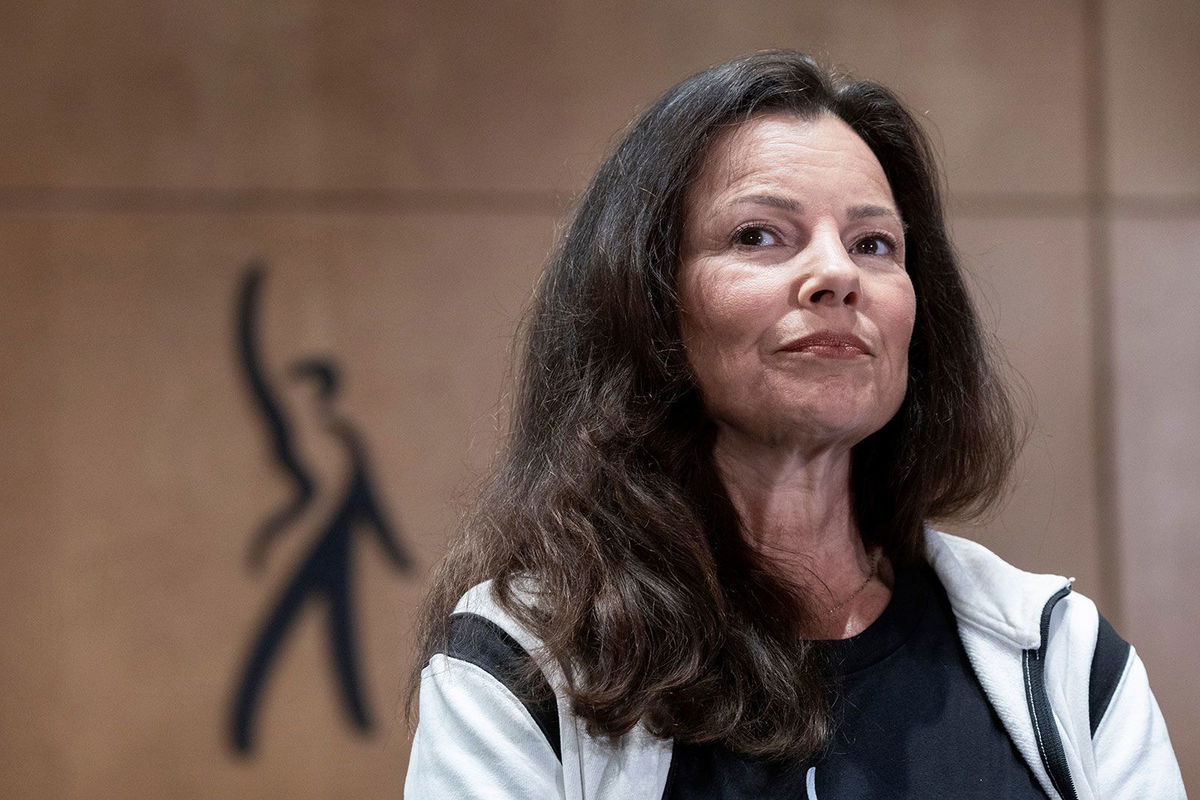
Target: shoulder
<point x="988" y="592"/>
<point x="486" y="725"/>
<point x="483" y="639"/>
<point x="1081" y="649"/>
<point x="485" y="730"/>
<point x="480" y="601"/>
<point x="1111" y="660"/>
<point x="482" y="632"/>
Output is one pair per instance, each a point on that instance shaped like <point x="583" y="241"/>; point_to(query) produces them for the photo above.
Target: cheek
<point x="722" y="325"/>
<point x="906" y="314"/>
<point x="897" y="317"/>
<point x="723" y="310"/>
<point x="904" y="327"/>
<point x="894" y="313"/>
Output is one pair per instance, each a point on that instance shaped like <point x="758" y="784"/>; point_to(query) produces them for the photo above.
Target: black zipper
<point x="1050" y="746"/>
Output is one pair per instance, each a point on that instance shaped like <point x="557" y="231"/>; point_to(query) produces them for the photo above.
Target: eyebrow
<point x="865" y="211"/>
<point x="772" y="200"/>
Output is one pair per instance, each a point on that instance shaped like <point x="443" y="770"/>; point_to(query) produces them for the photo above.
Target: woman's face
<point x="796" y="310"/>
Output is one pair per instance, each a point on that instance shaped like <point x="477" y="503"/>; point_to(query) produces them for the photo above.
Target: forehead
<point x="783" y="151"/>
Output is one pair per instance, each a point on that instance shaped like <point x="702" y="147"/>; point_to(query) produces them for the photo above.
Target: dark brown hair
<point x="607" y="496"/>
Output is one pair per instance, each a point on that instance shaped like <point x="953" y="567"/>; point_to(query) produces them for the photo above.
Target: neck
<point x="794" y="506"/>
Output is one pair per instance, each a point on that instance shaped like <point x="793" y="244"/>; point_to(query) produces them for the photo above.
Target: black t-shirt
<point x="912" y="722"/>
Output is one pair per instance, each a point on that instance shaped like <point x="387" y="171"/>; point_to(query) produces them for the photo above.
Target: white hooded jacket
<point x="1030" y="640"/>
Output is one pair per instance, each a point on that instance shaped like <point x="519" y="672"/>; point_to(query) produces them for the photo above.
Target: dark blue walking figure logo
<point x="323" y="575"/>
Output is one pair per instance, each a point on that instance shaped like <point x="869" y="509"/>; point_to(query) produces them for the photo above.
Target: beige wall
<point x="402" y="169"/>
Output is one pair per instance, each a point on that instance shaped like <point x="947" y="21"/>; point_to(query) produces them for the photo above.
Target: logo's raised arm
<point x="272" y="411"/>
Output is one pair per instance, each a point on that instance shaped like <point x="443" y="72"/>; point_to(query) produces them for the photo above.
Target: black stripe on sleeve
<point x="479" y="641"/>
<point x="1108" y="665"/>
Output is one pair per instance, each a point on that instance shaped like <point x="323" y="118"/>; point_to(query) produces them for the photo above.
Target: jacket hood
<point x="990" y="593"/>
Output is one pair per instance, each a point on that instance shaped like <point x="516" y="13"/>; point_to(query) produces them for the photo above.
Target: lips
<point x="829" y="344"/>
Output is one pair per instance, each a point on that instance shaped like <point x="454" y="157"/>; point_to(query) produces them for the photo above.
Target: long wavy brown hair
<point x="606" y="494"/>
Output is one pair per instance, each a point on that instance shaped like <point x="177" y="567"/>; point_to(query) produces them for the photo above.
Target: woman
<point x="751" y="373"/>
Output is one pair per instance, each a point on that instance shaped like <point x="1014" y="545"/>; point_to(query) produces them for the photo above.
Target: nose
<point x="830" y="277"/>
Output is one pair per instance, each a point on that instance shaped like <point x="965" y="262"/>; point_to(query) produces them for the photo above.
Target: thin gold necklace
<point x="858" y="591"/>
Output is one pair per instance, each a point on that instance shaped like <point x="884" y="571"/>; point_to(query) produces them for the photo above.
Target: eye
<point x="755" y="236"/>
<point x="876" y="244"/>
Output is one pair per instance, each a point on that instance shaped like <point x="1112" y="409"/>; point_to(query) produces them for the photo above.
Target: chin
<point x="831" y="414"/>
<point x="836" y="430"/>
<point x="836" y="421"/>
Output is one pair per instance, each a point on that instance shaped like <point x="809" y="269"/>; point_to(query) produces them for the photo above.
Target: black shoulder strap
<point x="1108" y="665"/>
<point x="479" y="641"/>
